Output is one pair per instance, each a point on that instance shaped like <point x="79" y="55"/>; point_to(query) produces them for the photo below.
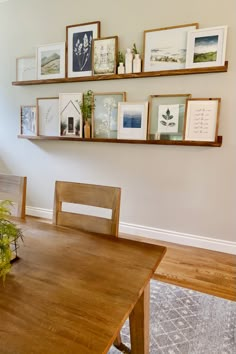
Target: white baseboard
<point x="158" y="234"/>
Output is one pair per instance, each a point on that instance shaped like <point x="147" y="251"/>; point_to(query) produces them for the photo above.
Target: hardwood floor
<point x="206" y="271"/>
<point x="202" y="270"/>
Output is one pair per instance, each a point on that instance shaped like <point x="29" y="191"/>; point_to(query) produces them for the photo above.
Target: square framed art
<point x="79" y="40"/>
<point x="202" y="119"/>
<point x="71" y="120"/>
<point x="166" y="116"/>
<point x="26" y="68"/>
<point x="132" y="120"/>
<point x="105" y="55"/>
<point x="165" y="48"/>
<point x="51" y="61"/>
<point x="28" y="121"/>
<point x="48" y="116"/>
<point x="105" y="114"/>
<point x="206" y="47"/>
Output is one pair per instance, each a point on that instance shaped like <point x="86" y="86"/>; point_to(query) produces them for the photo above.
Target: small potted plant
<point x="9" y="237"/>
<point x="87" y="107"/>
<point x="136" y="60"/>
<point x="121" y="63"/>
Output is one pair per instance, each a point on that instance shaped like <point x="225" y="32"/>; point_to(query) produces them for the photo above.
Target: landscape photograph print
<point x="51" y="61"/>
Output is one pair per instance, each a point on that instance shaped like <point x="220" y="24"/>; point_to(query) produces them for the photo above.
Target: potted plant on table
<point x="9" y="237"/>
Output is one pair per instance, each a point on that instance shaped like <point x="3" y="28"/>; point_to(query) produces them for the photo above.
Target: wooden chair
<point x="89" y="195"/>
<point x="14" y="188"/>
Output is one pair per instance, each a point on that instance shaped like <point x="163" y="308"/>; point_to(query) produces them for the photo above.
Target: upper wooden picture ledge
<point x="214" y="69"/>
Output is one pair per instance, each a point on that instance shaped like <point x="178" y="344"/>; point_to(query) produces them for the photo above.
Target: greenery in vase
<point x="121" y="57"/>
<point x="134" y="49"/>
<point x="87" y="105"/>
<point x="9" y="236"/>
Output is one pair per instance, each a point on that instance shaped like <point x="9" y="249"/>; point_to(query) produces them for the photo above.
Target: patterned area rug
<point x="187" y="322"/>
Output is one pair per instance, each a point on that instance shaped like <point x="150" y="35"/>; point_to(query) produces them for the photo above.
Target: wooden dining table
<point x="70" y="292"/>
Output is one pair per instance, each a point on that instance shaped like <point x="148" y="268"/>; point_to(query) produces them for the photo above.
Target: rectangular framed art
<point x="51" y="61"/>
<point x="105" y="114"/>
<point x="132" y="120"/>
<point x="71" y="120"/>
<point x="26" y="68"/>
<point x="165" y="48"/>
<point x="166" y="116"/>
<point x="105" y="55"/>
<point x="48" y="116"/>
<point x="28" y="121"/>
<point x="202" y="117"/>
<point x="79" y="48"/>
<point x="206" y="47"/>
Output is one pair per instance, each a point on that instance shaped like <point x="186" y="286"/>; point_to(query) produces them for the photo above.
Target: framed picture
<point x="165" y="48"/>
<point x="48" y="116"/>
<point x="105" y="114"/>
<point x="202" y="116"/>
<point x="166" y="116"/>
<point x="79" y="48"/>
<point x="105" y="55"/>
<point x="132" y="120"/>
<point x="28" y="121"/>
<point x="206" y="47"/>
<point x="71" y="121"/>
<point x="51" y="61"/>
<point x="26" y="68"/>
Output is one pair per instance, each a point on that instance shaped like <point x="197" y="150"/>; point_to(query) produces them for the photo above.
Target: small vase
<point x="121" y="68"/>
<point x="136" y="64"/>
<point x="128" y="61"/>
<point x="87" y="130"/>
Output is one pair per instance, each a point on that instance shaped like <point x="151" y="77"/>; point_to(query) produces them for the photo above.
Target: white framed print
<point x="48" y="116"/>
<point x="51" y="61"/>
<point x="202" y="118"/>
<point x="26" y="68"/>
<point x="206" y="47"/>
<point x="132" y="120"/>
<point x="71" y="120"/>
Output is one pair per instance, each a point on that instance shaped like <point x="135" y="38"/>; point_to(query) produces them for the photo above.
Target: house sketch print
<point x="104" y="56"/>
<point x="168" y="118"/>
<point x="82" y="51"/>
<point x="50" y="62"/>
<point x="71" y="119"/>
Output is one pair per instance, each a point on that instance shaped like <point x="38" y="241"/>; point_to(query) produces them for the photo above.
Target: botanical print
<point x="48" y="116"/>
<point x="105" y="115"/>
<point x="82" y="51"/>
<point x="26" y="69"/>
<point x="70" y="114"/>
<point x="28" y="120"/>
<point x="205" y="49"/>
<point x="104" y="56"/>
<point x="168" y="118"/>
<point x="50" y="62"/>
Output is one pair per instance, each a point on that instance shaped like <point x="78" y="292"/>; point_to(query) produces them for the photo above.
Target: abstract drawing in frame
<point x="48" y="116"/>
<point x="206" y="47"/>
<point x="165" y="48"/>
<point x="26" y="68"/>
<point x="105" y="114"/>
<point x="166" y="116"/>
<point x="132" y="120"/>
<point x="79" y="48"/>
<point x="28" y="121"/>
<point x="105" y="55"/>
<point x="51" y="61"/>
<point x="202" y="119"/>
<point x="71" y="122"/>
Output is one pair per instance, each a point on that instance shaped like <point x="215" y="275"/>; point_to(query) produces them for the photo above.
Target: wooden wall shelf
<point x="214" y="69"/>
<point x="216" y="143"/>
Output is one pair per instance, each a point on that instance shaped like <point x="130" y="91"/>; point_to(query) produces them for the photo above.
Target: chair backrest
<point x="14" y="188"/>
<point x="87" y="195"/>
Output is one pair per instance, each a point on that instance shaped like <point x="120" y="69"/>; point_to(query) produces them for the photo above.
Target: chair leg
<point x="120" y="346"/>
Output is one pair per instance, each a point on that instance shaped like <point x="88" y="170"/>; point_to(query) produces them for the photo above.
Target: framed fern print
<point x="166" y="116"/>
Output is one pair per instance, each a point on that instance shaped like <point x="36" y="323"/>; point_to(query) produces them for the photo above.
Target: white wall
<point x="183" y="191"/>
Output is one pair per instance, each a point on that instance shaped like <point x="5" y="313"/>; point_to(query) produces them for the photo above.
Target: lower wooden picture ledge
<point x="216" y="143"/>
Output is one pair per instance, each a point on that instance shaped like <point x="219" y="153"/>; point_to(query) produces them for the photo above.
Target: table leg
<point x="139" y="324"/>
